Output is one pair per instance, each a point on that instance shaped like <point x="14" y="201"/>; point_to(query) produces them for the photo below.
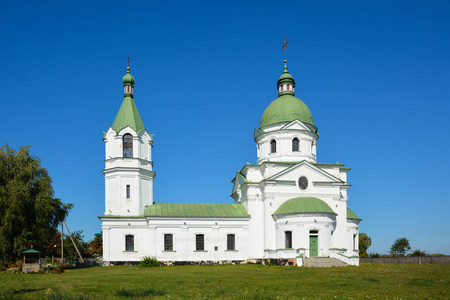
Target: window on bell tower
<point x="273" y="146"/>
<point x="295" y="144"/>
<point x="127" y="145"/>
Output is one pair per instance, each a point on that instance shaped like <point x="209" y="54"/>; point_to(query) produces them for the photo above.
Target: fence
<point x="442" y="260"/>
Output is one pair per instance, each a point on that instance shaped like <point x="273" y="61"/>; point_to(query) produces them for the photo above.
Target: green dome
<point x="286" y="108"/>
<point x="303" y="205"/>
<point x="128" y="79"/>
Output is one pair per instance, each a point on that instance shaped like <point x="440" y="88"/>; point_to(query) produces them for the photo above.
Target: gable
<point x="307" y="169"/>
<point x="296" y="125"/>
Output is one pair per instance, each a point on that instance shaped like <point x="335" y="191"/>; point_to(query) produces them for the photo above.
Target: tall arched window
<point x="127" y="145"/>
<point x="273" y="146"/>
<point x="295" y="145"/>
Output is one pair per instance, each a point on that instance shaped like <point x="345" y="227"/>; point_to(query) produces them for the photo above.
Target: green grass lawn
<point x="376" y="281"/>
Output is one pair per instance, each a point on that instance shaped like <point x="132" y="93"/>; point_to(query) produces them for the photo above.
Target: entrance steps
<point x="323" y="262"/>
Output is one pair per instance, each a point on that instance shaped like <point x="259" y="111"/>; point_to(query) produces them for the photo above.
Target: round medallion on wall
<point x="303" y="183"/>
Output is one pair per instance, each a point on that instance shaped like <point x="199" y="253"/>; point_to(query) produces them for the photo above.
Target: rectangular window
<point x="200" y="242"/>
<point x="168" y="242"/>
<point x="355" y="242"/>
<point x="230" y="242"/>
<point x="129" y="243"/>
<point x="288" y="239"/>
<point x="128" y="191"/>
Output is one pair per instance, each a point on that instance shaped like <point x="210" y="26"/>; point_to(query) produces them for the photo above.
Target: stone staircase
<point x="323" y="262"/>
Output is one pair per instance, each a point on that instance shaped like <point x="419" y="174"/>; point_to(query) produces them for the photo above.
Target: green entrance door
<point x="313" y="249"/>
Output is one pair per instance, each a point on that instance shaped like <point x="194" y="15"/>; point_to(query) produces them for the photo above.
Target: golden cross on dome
<point x="284" y="48"/>
<point x="128" y="61"/>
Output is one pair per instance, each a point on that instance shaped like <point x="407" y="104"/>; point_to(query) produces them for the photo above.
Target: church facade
<point x="286" y="206"/>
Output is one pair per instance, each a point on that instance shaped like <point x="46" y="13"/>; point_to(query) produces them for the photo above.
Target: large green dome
<point x="303" y="205"/>
<point x="286" y="108"/>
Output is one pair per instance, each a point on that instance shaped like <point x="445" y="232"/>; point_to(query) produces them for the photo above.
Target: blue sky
<point x="375" y="75"/>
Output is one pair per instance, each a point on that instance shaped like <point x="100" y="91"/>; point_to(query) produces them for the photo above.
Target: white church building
<point x="286" y="206"/>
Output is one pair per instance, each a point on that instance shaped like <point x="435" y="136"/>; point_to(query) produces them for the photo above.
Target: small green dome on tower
<point x="287" y="107"/>
<point x="128" y="79"/>
<point x="286" y="77"/>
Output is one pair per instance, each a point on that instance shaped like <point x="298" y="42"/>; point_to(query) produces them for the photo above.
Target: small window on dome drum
<point x="127" y="145"/>
<point x="295" y="145"/>
<point x="273" y="146"/>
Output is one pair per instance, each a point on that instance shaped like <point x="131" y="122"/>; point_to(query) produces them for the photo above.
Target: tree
<point x="364" y="243"/>
<point x="418" y="252"/>
<point x="69" y="248"/>
<point x="400" y="247"/>
<point x="29" y="212"/>
<point x="96" y="246"/>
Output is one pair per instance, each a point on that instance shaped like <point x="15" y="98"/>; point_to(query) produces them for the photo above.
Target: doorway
<point x="313" y="245"/>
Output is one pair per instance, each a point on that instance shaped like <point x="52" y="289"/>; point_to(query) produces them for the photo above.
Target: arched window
<point x="273" y="146"/>
<point x="288" y="239"/>
<point x="295" y="145"/>
<point x="282" y="88"/>
<point x="129" y="242"/>
<point x="288" y="86"/>
<point x="127" y="145"/>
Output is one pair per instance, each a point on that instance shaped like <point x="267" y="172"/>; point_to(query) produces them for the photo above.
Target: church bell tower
<point x="128" y="160"/>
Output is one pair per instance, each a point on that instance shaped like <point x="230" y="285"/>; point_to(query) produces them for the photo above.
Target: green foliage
<point x="147" y="292"/>
<point x="418" y="252"/>
<point x="149" y="262"/>
<point x="374" y="255"/>
<point x="69" y="248"/>
<point x="29" y="213"/>
<point x="364" y="243"/>
<point x="400" y="247"/>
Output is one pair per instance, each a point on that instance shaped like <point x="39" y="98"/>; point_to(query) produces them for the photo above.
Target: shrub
<point x="374" y="255"/>
<point x="149" y="262"/>
<point x="58" y="270"/>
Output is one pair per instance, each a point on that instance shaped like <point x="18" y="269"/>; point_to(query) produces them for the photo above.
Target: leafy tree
<point x="96" y="246"/>
<point x="400" y="247"/>
<point x="29" y="212"/>
<point x="364" y="243"/>
<point x="69" y="248"/>
<point x="374" y="255"/>
<point x="418" y="252"/>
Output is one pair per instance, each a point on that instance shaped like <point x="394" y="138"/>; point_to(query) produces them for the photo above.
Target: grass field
<point x="375" y="281"/>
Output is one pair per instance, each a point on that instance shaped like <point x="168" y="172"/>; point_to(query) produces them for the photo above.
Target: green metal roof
<point x="286" y="108"/>
<point x="351" y="214"/>
<point x="303" y="205"/>
<point x="196" y="210"/>
<point x="128" y="115"/>
<point x="31" y="251"/>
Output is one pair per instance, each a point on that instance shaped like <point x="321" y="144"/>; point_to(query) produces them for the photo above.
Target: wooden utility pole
<point x="62" y="242"/>
<point x="76" y="248"/>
